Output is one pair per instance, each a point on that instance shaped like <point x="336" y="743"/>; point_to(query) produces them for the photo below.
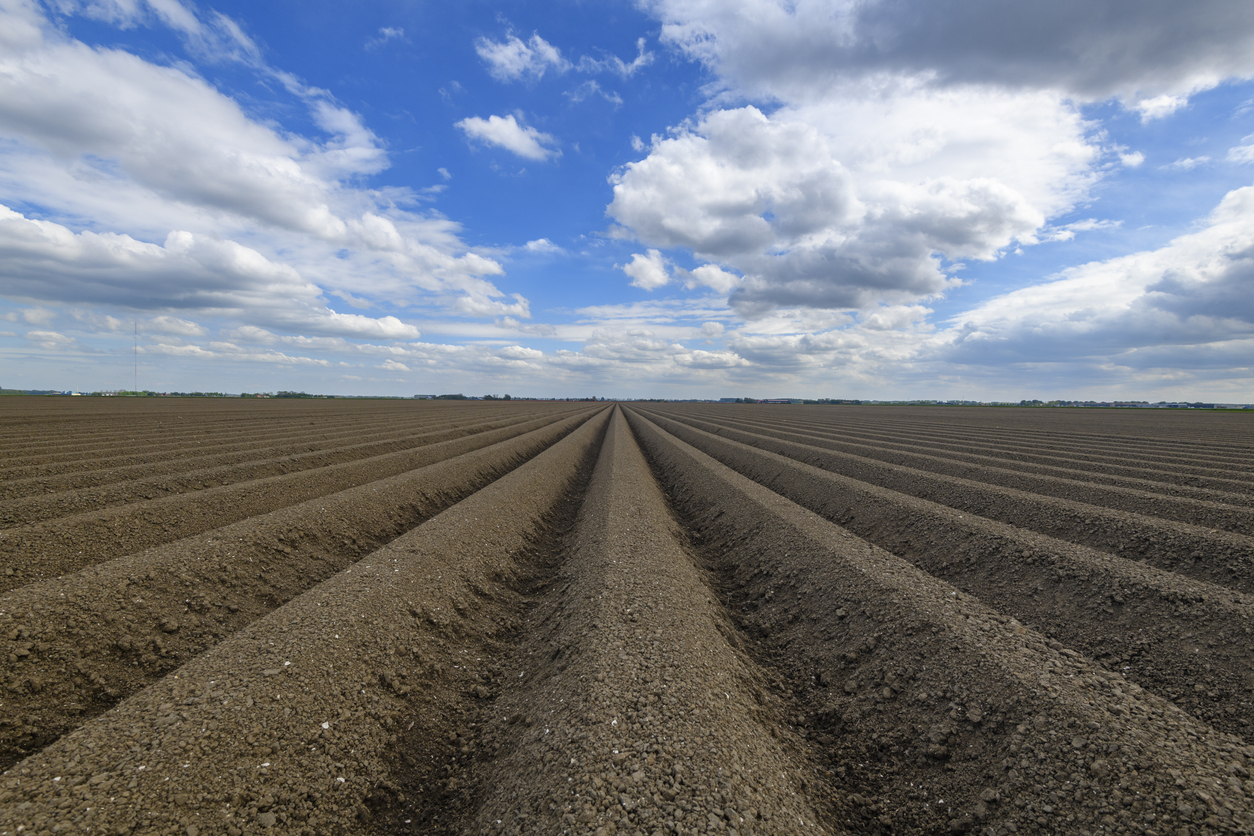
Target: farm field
<point x="379" y="617"/>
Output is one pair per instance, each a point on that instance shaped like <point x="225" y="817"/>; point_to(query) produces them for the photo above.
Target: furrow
<point x="1219" y="557"/>
<point x="937" y="713"/>
<point x="33" y="509"/>
<point x="57" y="547"/>
<point x="635" y="713"/>
<point x="286" y="726"/>
<point x="1069" y="446"/>
<point x="166" y="446"/>
<point x="1185" y="640"/>
<point x="1207" y="513"/>
<point x="138" y="466"/>
<point x="72" y="444"/>
<point x="1230" y="491"/>
<point x="79" y="643"/>
<point x="1164" y="448"/>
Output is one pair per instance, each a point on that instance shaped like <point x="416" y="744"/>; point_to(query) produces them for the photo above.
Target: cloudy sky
<point x="815" y="198"/>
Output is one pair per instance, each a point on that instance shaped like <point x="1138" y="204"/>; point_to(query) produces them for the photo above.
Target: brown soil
<point x="672" y="619"/>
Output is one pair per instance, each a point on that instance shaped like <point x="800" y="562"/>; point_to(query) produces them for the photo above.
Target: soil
<point x="417" y="617"/>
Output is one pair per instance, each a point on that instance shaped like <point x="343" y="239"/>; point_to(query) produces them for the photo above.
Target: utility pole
<point x="137" y="356"/>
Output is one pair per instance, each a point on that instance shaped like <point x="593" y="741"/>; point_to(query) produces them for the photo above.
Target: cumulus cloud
<point x="905" y="137"/>
<point x="505" y="132"/>
<point x="714" y="278"/>
<point x="1148" y="52"/>
<point x="175" y="326"/>
<point x="1191" y="294"/>
<point x="648" y="271"/>
<point x="171" y="134"/>
<point x="187" y="272"/>
<point x="31" y="316"/>
<point x="108" y="143"/>
<point x="50" y="340"/>
<point x="542" y="245"/>
<point x="812" y="212"/>
<point x="481" y="305"/>
<point x="513" y="58"/>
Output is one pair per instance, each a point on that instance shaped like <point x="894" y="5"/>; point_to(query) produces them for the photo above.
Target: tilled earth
<point x="455" y="618"/>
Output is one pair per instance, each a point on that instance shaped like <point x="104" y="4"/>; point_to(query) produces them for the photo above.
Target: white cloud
<point x="170" y="134"/>
<point x="1243" y="153"/>
<point x="1145" y="52"/>
<point x="393" y="366"/>
<point x="110" y="144"/>
<point x="648" y="271"/>
<point x="1131" y="160"/>
<point x="224" y="350"/>
<point x="487" y="306"/>
<point x="1068" y="231"/>
<point x="853" y="203"/>
<point x="386" y="33"/>
<point x="543" y="245"/>
<point x="591" y="88"/>
<point x="513" y="58"/>
<point x="1185" y="164"/>
<point x="1160" y="107"/>
<point x="175" y="326"/>
<point x="42" y="260"/>
<point x="32" y="316"/>
<point x="520" y="353"/>
<point x="517" y="328"/>
<point x="50" y="340"/>
<point x="616" y="65"/>
<point x="505" y="132"/>
<point x="1191" y="294"/>
<point x="216" y="38"/>
<point x="711" y="330"/>
<point x="713" y="278"/>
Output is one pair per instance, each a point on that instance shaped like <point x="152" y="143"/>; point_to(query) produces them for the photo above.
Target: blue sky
<point x="663" y="198"/>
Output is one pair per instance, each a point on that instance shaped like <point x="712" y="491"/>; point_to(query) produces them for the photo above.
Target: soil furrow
<point x="162" y="424"/>
<point x="286" y="726"/>
<point x="72" y="444"/>
<point x="134" y="467"/>
<point x="1184" y="640"/>
<point x="79" y="643"/>
<point x="936" y="712"/>
<point x="635" y="713"/>
<point x="32" y="553"/>
<point x="34" y="509"/>
<point x="1156" y="447"/>
<point x="970" y="426"/>
<point x="1209" y="555"/>
<point x="153" y="453"/>
<point x="1207" y="513"/>
<point x="1229" y="491"/>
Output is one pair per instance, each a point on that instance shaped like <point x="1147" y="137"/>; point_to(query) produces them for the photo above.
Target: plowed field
<point x="317" y="617"/>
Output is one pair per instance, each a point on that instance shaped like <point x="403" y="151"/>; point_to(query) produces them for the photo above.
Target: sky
<point x="868" y="199"/>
